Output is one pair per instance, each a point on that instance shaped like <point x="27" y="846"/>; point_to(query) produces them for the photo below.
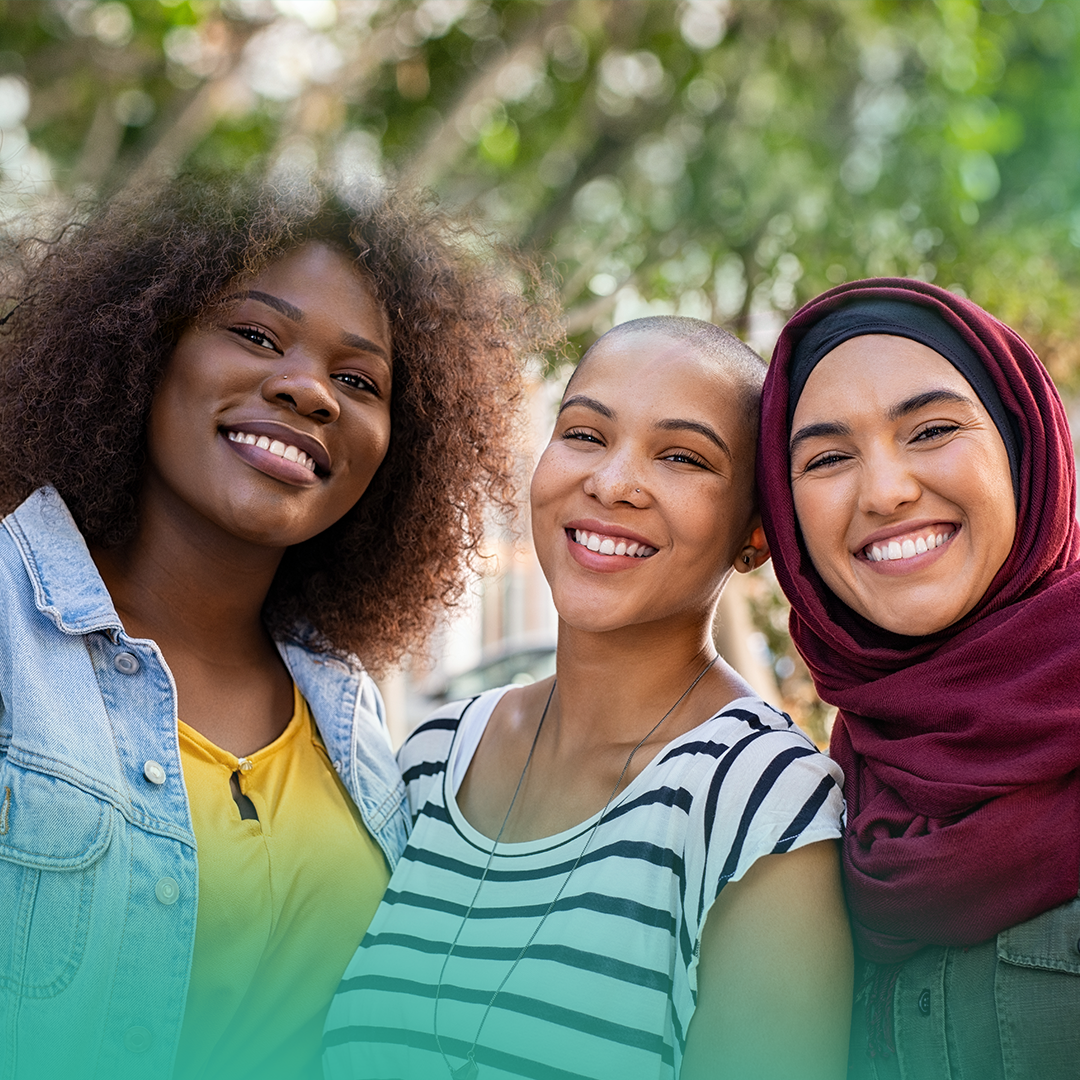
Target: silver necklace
<point x="469" y="1070"/>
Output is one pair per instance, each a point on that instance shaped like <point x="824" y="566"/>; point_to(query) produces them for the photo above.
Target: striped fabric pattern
<point x="608" y="987"/>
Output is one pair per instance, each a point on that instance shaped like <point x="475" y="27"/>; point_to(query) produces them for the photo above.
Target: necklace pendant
<point x="469" y="1071"/>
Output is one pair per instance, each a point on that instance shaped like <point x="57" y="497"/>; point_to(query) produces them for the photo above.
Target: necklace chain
<point x="470" y="1070"/>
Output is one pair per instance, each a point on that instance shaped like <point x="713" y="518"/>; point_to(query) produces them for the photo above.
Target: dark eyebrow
<point x="813" y="431"/>
<point x="288" y="310"/>
<point x="896" y="412"/>
<point x="291" y="311"/>
<point x="587" y="403"/>
<point x="355" y="341"/>
<point x="930" y="397"/>
<point x="700" y="428"/>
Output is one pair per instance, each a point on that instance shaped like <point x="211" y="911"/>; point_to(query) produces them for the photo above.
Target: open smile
<point x="908" y="545"/>
<point x="608" y="544"/>
<point x="279" y="451"/>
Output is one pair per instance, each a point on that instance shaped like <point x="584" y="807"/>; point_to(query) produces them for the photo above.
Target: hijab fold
<point x="961" y="749"/>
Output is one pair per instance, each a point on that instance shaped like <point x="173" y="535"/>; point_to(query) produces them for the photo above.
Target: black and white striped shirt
<point x="608" y="987"/>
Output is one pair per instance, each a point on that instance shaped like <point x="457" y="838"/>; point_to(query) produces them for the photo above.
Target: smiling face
<point x="643" y="499"/>
<point x="901" y="484"/>
<point x="270" y="422"/>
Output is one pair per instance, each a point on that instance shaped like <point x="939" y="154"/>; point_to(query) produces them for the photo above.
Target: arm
<point x="775" y="974"/>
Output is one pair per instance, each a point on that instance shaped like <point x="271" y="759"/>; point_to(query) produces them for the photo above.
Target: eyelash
<point x="935" y="431"/>
<point x="927" y="434"/>
<point x="362" y="382"/>
<point x="583" y="436"/>
<point x="255" y="336"/>
<point x="830" y="458"/>
<point x="681" y="456"/>
<point x="684" y="456"/>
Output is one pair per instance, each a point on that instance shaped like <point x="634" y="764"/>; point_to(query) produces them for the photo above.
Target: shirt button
<point x="167" y="891"/>
<point x="138" y="1040"/>
<point x="924" y="1003"/>
<point x="154" y="772"/>
<point x="126" y="663"/>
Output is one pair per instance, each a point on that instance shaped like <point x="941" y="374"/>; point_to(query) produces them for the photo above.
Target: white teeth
<point x="905" y="549"/>
<point x="276" y="447"/>
<point x="608" y="546"/>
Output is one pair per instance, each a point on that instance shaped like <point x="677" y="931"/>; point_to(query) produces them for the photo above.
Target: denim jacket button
<point x="154" y="772"/>
<point x="126" y="663"/>
<point x="138" y="1040"/>
<point x="167" y="891"/>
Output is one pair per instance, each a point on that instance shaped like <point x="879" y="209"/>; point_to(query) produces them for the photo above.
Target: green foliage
<point x="722" y="158"/>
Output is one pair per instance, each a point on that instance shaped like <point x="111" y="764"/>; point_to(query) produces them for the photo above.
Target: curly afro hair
<point x="95" y="315"/>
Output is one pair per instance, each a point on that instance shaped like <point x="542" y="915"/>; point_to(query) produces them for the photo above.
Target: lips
<point x="283" y="442"/>
<point x="611" y="543"/>
<point x="900" y="544"/>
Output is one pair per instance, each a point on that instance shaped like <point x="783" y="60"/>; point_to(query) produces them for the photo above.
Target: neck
<point x="184" y="582"/>
<point x="616" y="685"/>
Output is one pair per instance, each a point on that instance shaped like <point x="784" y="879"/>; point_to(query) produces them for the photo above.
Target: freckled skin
<point x="697" y="512"/>
<point x="933" y="468"/>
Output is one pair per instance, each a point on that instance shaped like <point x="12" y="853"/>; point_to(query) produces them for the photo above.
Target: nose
<point x="302" y="384"/>
<point x="617" y="478"/>
<point x="887" y="482"/>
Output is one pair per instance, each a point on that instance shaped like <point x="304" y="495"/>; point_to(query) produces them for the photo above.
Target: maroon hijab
<point x="961" y="750"/>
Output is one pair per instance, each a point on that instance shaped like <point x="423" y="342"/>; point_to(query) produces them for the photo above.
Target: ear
<point x="754" y="553"/>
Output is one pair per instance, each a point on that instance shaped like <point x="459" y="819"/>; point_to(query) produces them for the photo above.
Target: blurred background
<point x="724" y="159"/>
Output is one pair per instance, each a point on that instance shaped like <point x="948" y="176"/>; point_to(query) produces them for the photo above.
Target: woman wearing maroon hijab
<point x="919" y="497"/>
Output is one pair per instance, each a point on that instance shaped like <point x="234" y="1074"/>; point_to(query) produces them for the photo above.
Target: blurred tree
<point x="726" y="159"/>
<point x="722" y="158"/>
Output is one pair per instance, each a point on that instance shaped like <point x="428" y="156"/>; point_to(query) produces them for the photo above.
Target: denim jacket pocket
<point x="1050" y="940"/>
<point x="52" y="839"/>
<point x="1038" y="995"/>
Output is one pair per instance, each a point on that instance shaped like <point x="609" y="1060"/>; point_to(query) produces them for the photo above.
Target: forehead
<point x="647" y="367"/>
<point x="319" y="277"/>
<point x="877" y="370"/>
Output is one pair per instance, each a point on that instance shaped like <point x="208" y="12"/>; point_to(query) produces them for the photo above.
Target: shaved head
<point x="705" y="339"/>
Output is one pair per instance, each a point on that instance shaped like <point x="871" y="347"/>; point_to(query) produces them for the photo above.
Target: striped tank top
<point x="607" y="988"/>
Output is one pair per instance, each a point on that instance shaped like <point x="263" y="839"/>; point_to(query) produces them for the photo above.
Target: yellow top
<point x="283" y="903"/>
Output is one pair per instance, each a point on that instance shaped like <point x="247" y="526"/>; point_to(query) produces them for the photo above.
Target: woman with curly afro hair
<point x="248" y="435"/>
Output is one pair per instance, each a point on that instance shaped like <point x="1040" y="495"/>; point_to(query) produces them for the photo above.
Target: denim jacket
<point x="98" y="867"/>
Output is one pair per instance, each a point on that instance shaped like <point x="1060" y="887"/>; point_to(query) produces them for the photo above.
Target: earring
<point x="746" y="560"/>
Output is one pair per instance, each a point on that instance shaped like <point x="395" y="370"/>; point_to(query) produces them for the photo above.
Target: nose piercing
<point x="638" y="490"/>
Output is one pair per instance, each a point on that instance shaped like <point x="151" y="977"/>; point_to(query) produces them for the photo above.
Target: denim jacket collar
<point x="67" y="585"/>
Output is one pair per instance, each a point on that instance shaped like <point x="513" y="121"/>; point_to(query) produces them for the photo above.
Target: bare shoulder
<point x="775" y="973"/>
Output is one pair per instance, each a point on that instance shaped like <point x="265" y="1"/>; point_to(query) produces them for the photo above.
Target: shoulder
<point x="744" y="742"/>
<point x="423" y="756"/>
<point x="757" y="785"/>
